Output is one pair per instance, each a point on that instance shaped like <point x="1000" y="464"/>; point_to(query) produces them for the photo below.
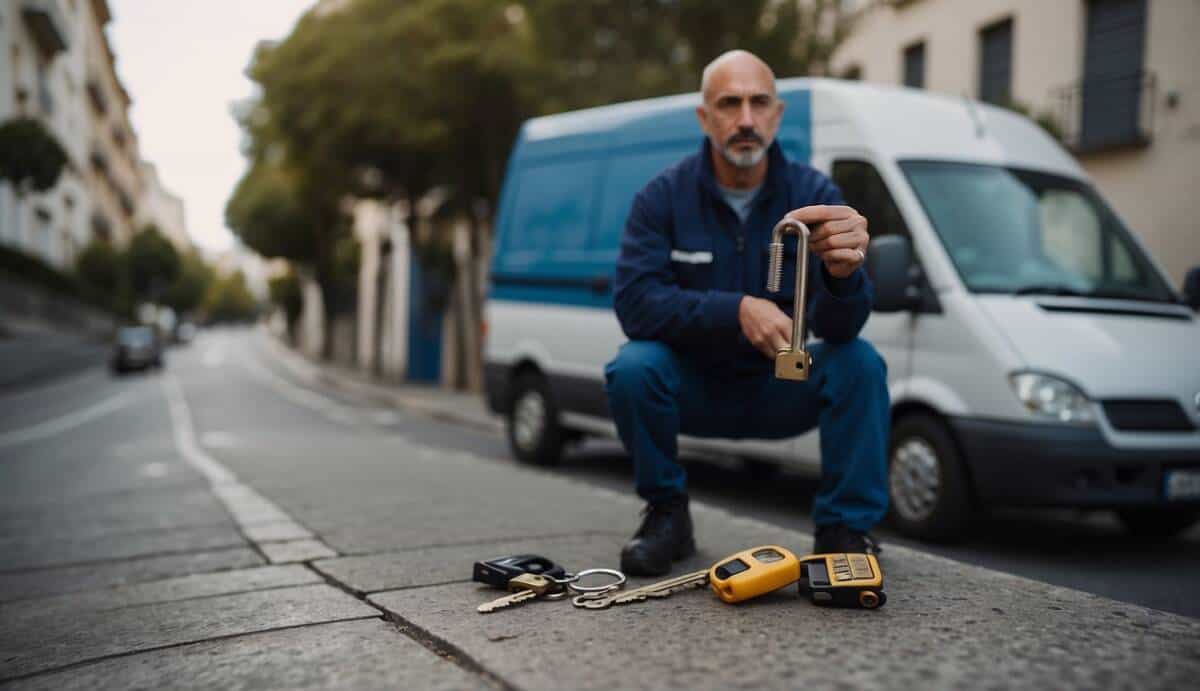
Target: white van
<point x="1036" y="352"/>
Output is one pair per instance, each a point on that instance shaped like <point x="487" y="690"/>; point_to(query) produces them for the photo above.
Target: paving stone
<point x="33" y="646"/>
<point x="35" y="551"/>
<point x="945" y="626"/>
<point x="168" y="590"/>
<point x="434" y="565"/>
<point x="276" y="531"/>
<point x="295" y="550"/>
<point x="43" y="582"/>
<point x="367" y="654"/>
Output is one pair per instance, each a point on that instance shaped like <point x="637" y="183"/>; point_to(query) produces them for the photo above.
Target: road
<point x="221" y="523"/>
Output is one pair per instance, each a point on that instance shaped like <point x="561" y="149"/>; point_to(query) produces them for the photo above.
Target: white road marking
<point x="218" y="440"/>
<point x="244" y="503"/>
<point x="61" y="424"/>
<point x="154" y="470"/>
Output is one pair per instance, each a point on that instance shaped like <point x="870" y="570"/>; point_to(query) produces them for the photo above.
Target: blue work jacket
<point x="686" y="260"/>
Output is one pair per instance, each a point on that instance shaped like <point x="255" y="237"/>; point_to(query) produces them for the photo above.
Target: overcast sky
<point x="182" y="62"/>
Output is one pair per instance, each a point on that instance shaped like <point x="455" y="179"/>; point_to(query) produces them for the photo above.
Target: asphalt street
<point x="218" y="524"/>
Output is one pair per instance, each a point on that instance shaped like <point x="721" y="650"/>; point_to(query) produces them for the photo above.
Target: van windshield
<point x="1024" y="232"/>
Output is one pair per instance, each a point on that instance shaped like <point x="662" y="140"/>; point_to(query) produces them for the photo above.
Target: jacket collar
<point x="776" y="170"/>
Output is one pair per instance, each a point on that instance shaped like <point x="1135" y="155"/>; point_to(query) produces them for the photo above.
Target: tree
<point x="101" y="271"/>
<point x="30" y="156"/>
<point x="285" y="292"/>
<point x="153" y="264"/>
<point x="187" y="291"/>
<point x="229" y="300"/>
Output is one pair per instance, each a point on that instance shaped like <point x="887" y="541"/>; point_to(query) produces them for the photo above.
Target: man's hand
<point x="765" y="325"/>
<point x="839" y="237"/>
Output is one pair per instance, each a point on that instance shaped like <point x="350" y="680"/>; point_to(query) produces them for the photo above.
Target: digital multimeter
<point x="753" y="572"/>
<point x="843" y="580"/>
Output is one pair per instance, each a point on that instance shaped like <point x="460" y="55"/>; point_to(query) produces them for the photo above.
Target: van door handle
<point x="600" y="285"/>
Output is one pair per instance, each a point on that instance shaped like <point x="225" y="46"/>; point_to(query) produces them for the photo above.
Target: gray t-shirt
<point x="740" y="200"/>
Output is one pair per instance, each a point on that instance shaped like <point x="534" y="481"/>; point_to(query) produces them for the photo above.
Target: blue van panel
<point x="571" y="181"/>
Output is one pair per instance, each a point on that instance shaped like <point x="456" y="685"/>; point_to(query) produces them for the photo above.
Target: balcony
<point x="1108" y="113"/>
<point x="46" y="25"/>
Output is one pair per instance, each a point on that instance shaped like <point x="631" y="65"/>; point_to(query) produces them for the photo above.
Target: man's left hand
<point x="840" y="238"/>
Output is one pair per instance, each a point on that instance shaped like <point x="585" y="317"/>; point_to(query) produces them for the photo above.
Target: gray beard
<point x="743" y="160"/>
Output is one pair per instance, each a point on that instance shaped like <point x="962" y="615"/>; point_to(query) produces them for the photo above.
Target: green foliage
<point x="190" y="285"/>
<point x="30" y="156"/>
<point x="229" y="300"/>
<point x="33" y="270"/>
<point x="285" y="292"/>
<point x="1045" y="119"/>
<point x="153" y="264"/>
<point x="101" y="271"/>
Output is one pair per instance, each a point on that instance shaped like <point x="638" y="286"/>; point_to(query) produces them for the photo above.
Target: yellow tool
<point x="753" y="572"/>
<point x="843" y="580"/>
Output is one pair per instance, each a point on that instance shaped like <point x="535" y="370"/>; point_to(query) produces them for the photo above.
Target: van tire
<point x="1158" y="523"/>
<point x="923" y="455"/>
<point x="535" y="435"/>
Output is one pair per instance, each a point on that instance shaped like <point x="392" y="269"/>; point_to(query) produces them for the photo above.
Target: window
<point x="627" y="174"/>
<point x="914" y="65"/>
<point x="1017" y="231"/>
<point x="995" y="63"/>
<point x="853" y="73"/>
<point x="865" y="191"/>
<point x="1112" y="73"/>
<point x="551" y="216"/>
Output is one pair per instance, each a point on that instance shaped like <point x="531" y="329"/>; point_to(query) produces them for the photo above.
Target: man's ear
<point x="702" y="117"/>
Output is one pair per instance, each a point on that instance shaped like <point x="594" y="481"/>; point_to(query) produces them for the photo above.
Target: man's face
<point x="741" y="112"/>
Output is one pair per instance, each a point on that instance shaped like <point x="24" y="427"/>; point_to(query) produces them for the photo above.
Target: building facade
<point x="162" y="209"/>
<point x="56" y="65"/>
<point x="1115" y="79"/>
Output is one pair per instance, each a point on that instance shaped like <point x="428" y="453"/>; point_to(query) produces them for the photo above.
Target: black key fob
<point x="499" y="571"/>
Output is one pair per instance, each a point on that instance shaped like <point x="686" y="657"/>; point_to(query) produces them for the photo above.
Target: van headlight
<point x="1052" y="398"/>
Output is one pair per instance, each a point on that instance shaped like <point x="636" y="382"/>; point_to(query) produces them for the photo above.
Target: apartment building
<point x="56" y="65"/>
<point x="1115" y="78"/>
<point x="41" y="77"/>
<point x="162" y="209"/>
<point x="114" y="175"/>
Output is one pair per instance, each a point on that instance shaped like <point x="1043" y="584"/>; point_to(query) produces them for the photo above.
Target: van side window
<point x="628" y="173"/>
<point x="864" y="189"/>
<point x="552" y="214"/>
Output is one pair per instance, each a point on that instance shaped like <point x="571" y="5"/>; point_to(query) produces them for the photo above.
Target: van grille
<point x="1147" y="416"/>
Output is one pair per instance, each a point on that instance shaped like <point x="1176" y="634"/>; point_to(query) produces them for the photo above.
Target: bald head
<point x="735" y="65"/>
<point x="740" y="110"/>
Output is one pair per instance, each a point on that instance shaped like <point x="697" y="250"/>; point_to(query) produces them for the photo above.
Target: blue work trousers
<point x="655" y="394"/>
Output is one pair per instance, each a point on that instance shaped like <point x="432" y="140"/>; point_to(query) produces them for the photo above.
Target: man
<point x="691" y="297"/>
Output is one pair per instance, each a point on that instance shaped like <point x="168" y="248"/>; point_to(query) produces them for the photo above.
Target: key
<point x="696" y="579"/>
<point x="527" y="586"/>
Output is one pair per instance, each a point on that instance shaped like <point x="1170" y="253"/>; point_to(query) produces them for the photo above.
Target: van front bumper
<point x="1014" y="464"/>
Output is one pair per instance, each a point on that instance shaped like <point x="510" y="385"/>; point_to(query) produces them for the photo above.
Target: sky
<point x="183" y="64"/>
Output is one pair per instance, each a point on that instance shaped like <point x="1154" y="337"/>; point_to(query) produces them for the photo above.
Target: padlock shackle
<point x="775" y="274"/>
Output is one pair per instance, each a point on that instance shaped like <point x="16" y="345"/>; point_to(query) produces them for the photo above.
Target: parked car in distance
<point x="136" y="348"/>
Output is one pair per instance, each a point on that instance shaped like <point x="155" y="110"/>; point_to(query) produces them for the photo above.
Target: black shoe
<point x="832" y="539"/>
<point x="665" y="536"/>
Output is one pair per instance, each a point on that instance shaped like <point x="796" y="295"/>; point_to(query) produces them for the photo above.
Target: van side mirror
<point x="1191" y="288"/>
<point x="891" y="268"/>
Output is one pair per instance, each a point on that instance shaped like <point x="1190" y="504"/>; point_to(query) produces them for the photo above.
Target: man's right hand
<point x="766" y="326"/>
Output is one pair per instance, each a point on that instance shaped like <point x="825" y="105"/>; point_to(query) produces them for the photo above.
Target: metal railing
<point x="1109" y="112"/>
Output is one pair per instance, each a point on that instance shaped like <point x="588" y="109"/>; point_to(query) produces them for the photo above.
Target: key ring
<point x="572" y="579"/>
<point x="575" y="587"/>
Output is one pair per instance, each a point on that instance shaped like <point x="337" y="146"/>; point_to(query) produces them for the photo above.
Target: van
<point x="1037" y="355"/>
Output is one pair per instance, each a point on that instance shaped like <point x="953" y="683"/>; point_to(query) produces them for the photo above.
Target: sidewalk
<point x="946" y="624"/>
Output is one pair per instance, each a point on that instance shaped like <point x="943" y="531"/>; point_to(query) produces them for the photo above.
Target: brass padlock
<point x="792" y="362"/>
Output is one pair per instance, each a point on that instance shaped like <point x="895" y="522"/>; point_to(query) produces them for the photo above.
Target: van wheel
<point x="534" y="433"/>
<point x="1158" y="523"/>
<point x="927" y="485"/>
